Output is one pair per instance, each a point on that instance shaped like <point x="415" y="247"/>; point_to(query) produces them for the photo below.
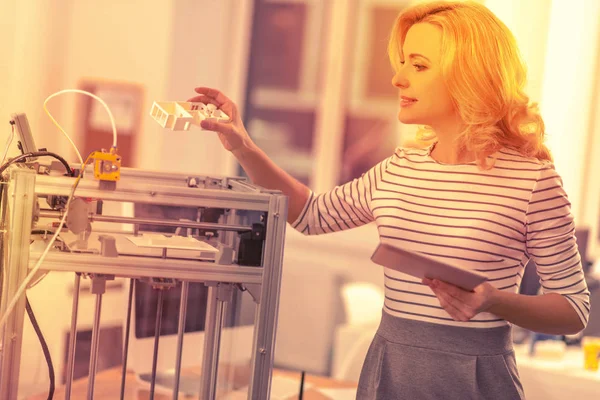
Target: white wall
<point x="568" y="93"/>
<point x="121" y="40"/>
<point x="209" y="48"/>
<point x="591" y="196"/>
<point x="529" y="22"/>
<point x="560" y="42"/>
<point x="32" y="63"/>
<point x="50" y="46"/>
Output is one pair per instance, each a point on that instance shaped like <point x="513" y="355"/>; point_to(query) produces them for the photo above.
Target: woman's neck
<point x="446" y="150"/>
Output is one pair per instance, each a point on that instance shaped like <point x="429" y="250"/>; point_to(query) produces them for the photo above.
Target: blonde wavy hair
<point x="485" y="76"/>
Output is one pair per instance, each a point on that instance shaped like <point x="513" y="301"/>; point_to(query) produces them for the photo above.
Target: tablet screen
<point x="423" y="266"/>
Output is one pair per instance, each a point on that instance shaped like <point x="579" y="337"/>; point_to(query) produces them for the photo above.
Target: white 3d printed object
<point x="179" y="115"/>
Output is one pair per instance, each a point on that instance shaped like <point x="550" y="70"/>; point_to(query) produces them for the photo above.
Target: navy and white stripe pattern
<point x="491" y="221"/>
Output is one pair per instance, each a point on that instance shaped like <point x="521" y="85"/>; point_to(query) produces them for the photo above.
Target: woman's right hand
<point x="232" y="134"/>
<point x="261" y="170"/>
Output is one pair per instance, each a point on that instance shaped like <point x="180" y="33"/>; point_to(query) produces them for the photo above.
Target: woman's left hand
<point x="462" y="305"/>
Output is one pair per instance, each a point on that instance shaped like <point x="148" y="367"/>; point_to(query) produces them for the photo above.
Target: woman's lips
<point x="407" y="101"/>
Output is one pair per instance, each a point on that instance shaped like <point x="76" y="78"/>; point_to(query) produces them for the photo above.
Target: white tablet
<point x="423" y="266"/>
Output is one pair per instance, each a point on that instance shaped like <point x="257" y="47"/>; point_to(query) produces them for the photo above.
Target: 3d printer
<point x="164" y="229"/>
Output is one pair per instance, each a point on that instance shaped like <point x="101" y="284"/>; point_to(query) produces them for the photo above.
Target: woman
<point x="482" y="192"/>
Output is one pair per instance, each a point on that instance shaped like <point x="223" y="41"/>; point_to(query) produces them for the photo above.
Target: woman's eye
<point x="419" y="67"/>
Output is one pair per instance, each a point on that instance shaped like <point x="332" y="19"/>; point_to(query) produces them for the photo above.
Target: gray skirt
<point x="417" y="360"/>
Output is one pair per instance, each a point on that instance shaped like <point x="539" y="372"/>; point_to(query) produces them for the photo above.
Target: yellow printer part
<point x="107" y="165"/>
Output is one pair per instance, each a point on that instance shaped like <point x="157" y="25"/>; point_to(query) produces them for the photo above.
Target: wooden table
<point x="108" y="386"/>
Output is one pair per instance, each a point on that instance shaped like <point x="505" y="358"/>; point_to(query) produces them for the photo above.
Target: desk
<point x="108" y="386"/>
<point x="560" y="379"/>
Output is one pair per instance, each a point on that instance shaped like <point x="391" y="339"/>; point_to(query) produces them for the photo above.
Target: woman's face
<point x="424" y="98"/>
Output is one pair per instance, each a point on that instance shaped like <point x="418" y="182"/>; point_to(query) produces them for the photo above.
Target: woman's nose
<point x="399" y="81"/>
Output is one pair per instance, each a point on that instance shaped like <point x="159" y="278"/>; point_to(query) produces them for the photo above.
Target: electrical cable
<point x="34" y="270"/>
<point x="44" y="345"/>
<point x="24" y="157"/>
<point x="110" y="116"/>
<point x="10" y="139"/>
<point x="301" y="394"/>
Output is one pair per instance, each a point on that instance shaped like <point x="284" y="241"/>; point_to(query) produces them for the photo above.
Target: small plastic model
<point x="180" y="115"/>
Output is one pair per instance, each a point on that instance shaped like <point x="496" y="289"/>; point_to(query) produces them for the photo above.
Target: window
<point x="320" y="101"/>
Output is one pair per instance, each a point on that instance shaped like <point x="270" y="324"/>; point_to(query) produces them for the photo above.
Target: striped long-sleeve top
<point x="492" y="221"/>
